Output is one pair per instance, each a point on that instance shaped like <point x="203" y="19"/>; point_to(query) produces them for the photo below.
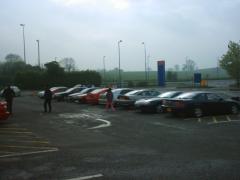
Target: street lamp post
<point x="104" y="70"/>
<point x="24" y="50"/>
<point x="145" y="60"/>
<point x="38" y="53"/>
<point x="119" y="65"/>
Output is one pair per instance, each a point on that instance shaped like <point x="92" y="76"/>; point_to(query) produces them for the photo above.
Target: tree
<point x="13" y="58"/>
<point x="171" y="76"/>
<point x="68" y="64"/>
<point x="231" y="61"/>
<point x="190" y="65"/>
<point x="176" y="67"/>
<point x="54" y="73"/>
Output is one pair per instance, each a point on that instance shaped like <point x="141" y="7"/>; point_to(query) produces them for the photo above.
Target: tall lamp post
<point x="24" y="50"/>
<point x="104" y="70"/>
<point x="119" y="65"/>
<point x="38" y="53"/>
<point x="145" y="59"/>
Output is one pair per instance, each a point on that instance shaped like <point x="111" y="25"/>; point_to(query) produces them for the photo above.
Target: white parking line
<point x="214" y="119"/>
<point x="106" y="124"/>
<point x="169" y="126"/>
<point x="28" y="153"/>
<point x="221" y="122"/>
<point x="87" y="177"/>
<point x="25" y="147"/>
<point x="228" y="118"/>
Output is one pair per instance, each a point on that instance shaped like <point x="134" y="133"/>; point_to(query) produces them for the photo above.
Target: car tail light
<point x="125" y="97"/>
<point x="179" y="104"/>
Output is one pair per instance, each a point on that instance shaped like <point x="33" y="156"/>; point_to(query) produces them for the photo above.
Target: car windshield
<point x="85" y="90"/>
<point x="188" y="95"/>
<point x="133" y="92"/>
<point x="97" y="91"/>
<point x="69" y="90"/>
<point x="225" y="95"/>
<point x="167" y="95"/>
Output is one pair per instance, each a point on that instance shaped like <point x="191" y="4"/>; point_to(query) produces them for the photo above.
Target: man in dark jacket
<point x="47" y="100"/>
<point x="8" y="94"/>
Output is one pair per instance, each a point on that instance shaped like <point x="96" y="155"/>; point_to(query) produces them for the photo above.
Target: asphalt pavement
<point x="79" y="141"/>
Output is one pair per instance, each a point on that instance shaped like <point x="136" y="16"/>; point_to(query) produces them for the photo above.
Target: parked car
<point x="4" y="114"/>
<point x="53" y="90"/>
<point x="60" y="96"/>
<point x="81" y="96"/>
<point x="201" y="103"/>
<point x="116" y="94"/>
<point x="16" y="90"/>
<point x="155" y="104"/>
<point x="92" y="97"/>
<point x="129" y="99"/>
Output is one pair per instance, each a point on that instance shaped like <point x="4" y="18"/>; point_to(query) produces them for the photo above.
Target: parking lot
<point x="80" y="141"/>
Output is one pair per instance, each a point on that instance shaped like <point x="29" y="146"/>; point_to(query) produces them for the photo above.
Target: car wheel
<point x="159" y="108"/>
<point x="198" y="112"/>
<point x="234" y="109"/>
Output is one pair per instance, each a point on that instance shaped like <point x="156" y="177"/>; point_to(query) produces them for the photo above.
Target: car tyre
<point x="198" y="112"/>
<point x="234" y="109"/>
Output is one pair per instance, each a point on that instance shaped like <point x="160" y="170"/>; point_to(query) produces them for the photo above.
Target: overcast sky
<point x="87" y="30"/>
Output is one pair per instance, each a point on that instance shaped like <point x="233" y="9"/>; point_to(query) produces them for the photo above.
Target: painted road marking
<point x="19" y="141"/>
<point x="169" y="126"/>
<point x="15" y="132"/>
<point x="214" y="119"/>
<point x="221" y="122"/>
<point x="87" y="177"/>
<point x="19" y="136"/>
<point x="228" y="118"/>
<point x="29" y="153"/>
<point x="199" y="120"/>
<point x="25" y="147"/>
<point x="106" y="124"/>
<point x="9" y="128"/>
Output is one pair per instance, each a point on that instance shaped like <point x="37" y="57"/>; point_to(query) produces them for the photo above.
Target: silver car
<point x="130" y="98"/>
<point x="16" y="90"/>
<point x="116" y="93"/>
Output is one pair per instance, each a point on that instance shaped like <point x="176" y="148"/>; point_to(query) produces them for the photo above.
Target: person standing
<point x="109" y="97"/>
<point x="8" y="94"/>
<point x="47" y="100"/>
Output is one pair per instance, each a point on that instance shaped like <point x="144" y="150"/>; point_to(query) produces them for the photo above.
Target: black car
<point x="62" y="95"/>
<point x="155" y="104"/>
<point x="201" y="103"/>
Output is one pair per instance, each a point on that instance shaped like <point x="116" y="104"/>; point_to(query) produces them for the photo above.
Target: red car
<point x="92" y="97"/>
<point x="4" y="114"/>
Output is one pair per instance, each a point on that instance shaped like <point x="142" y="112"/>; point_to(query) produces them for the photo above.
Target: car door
<point x="141" y="95"/>
<point x="199" y="101"/>
<point x="215" y="104"/>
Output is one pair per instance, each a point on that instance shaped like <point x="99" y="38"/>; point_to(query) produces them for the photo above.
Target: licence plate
<point x="169" y="110"/>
